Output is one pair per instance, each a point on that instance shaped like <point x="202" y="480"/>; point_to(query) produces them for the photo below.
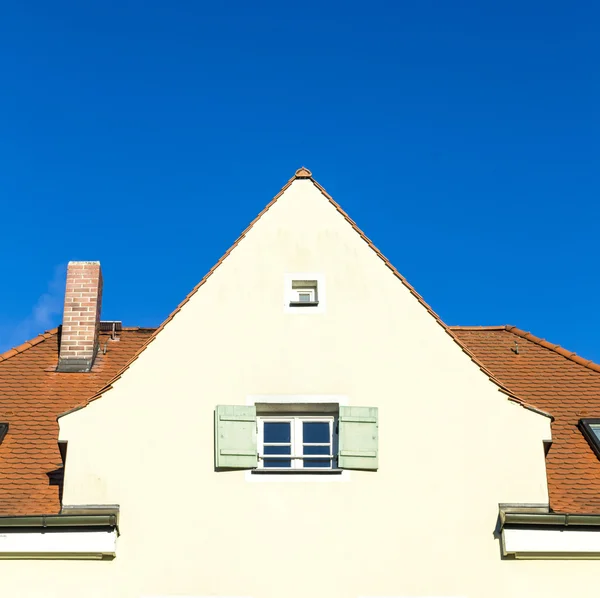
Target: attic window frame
<point x="585" y="425"/>
<point x="301" y="283"/>
<point x="305" y="287"/>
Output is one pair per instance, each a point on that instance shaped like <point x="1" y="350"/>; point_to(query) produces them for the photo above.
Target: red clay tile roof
<point x="556" y="381"/>
<point x="32" y="395"/>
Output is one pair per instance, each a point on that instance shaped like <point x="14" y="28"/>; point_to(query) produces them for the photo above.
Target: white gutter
<point x="71" y="536"/>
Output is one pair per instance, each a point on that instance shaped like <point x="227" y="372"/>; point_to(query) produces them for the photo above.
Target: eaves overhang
<point x="533" y="534"/>
<point x="59" y="537"/>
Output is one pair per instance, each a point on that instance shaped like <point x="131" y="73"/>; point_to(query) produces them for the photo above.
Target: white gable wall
<point x="451" y="445"/>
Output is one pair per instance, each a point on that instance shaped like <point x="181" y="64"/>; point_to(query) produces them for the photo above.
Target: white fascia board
<point x="57" y="544"/>
<point x="551" y="543"/>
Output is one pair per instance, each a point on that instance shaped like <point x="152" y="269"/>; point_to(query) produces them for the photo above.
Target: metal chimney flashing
<point x="73" y="365"/>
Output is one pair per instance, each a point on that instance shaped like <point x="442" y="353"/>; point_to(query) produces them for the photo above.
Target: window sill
<point x="304" y="303"/>
<point x="287" y="471"/>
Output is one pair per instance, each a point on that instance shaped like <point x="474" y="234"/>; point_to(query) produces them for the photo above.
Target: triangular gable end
<point x="304" y="173"/>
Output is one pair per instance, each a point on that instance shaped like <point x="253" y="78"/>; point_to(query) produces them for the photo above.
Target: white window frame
<point x="310" y="291"/>
<point x="297" y="444"/>
<point x="291" y="293"/>
<point x="284" y="477"/>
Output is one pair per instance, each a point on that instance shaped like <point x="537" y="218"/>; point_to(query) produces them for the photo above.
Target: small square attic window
<point x="304" y="293"/>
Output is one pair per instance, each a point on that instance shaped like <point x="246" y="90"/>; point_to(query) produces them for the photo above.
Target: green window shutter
<point x="358" y="438"/>
<point x="235" y="436"/>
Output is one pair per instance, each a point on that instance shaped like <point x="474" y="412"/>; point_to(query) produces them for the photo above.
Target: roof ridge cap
<point x="27" y="344"/>
<point x="303" y="173"/>
<point x="476" y="328"/>
<point x="570" y="355"/>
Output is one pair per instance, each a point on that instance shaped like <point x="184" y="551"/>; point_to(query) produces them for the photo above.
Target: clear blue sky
<point x="463" y="137"/>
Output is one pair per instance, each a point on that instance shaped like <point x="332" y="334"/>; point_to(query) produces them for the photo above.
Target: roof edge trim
<point x="476" y="328"/>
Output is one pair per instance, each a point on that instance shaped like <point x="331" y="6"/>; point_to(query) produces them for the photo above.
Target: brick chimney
<point x="81" y="317"/>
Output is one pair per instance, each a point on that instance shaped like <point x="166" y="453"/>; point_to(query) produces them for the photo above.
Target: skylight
<point x="591" y="430"/>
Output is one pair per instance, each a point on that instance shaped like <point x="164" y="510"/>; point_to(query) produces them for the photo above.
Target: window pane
<point x="317" y="463"/>
<point x="278" y="450"/>
<point x="277" y="432"/>
<point x="315" y="432"/>
<point x="596" y="430"/>
<point x="317" y="450"/>
<point x="304" y="297"/>
<point x="277" y="463"/>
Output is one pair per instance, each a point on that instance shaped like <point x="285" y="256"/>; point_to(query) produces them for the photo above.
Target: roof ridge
<point x="305" y="174"/>
<point x="475" y="328"/>
<point x="570" y="355"/>
<point x="27" y="344"/>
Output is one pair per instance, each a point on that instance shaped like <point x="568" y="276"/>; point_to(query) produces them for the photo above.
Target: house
<point x="302" y="424"/>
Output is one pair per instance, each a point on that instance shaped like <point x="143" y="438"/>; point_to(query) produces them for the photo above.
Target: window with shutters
<point x="297" y="442"/>
<point x="272" y="437"/>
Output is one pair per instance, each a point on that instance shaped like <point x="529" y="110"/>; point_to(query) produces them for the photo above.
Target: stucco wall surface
<point x="451" y="445"/>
